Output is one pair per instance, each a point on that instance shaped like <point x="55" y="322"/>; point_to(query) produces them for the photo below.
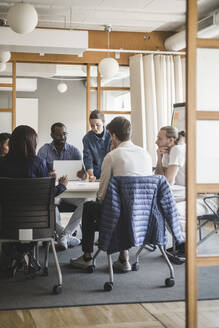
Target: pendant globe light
<point x="62" y="87"/>
<point x="2" y="67"/>
<point x="5" y="56"/>
<point x="22" y="18"/>
<point x="108" y="67"/>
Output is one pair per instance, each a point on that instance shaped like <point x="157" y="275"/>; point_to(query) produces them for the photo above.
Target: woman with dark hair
<point x="4" y="140"/>
<point x="97" y="144"/>
<point x="22" y="161"/>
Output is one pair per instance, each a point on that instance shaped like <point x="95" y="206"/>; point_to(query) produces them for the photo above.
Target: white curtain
<point x="156" y="82"/>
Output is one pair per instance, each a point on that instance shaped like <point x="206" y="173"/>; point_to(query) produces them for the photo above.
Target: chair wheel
<point x="91" y="269"/>
<point x="45" y="272"/>
<point x="135" y="266"/>
<point x="108" y="286"/>
<point x="57" y="289"/>
<point x="169" y="282"/>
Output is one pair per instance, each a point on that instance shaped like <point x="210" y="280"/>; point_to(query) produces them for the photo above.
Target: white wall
<point x="68" y="108"/>
<point x="208" y="131"/>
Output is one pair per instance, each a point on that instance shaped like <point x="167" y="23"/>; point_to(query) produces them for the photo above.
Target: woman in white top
<point x="171" y="163"/>
<point x="171" y="153"/>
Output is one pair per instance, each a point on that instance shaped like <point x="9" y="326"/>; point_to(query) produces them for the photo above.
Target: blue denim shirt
<point x="49" y="153"/>
<point x="31" y="167"/>
<point x="95" y="149"/>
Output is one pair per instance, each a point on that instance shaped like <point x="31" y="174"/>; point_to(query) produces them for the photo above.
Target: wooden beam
<point x="203" y="261"/>
<point x="111" y="88"/>
<point x="5" y="110"/>
<point x="207" y="188"/>
<point x="92" y="58"/>
<point x="208" y="43"/>
<point x="207" y="115"/>
<point x="6" y="85"/>
<point x="191" y="226"/>
<point x="115" y="88"/>
<point x="116" y="112"/>
<point x="128" y="40"/>
<point x="98" y="40"/>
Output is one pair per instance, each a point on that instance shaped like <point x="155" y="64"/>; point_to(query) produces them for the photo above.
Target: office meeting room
<point x="109" y="183"/>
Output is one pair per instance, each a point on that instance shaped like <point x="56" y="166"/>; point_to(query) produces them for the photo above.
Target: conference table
<point x="80" y="189"/>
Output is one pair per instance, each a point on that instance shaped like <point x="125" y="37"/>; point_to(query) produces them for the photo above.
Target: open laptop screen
<point x="69" y="168"/>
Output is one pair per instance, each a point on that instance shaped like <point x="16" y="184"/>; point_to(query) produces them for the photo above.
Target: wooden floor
<point x="144" y="315"/>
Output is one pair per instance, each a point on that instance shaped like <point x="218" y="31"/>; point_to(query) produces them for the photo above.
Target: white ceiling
<point x="123" y="15"/>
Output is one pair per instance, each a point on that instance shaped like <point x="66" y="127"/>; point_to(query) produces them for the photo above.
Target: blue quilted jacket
<point x="134" y="212"/>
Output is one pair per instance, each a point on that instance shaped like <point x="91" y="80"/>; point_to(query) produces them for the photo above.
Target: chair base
<point x="30" y="270"/>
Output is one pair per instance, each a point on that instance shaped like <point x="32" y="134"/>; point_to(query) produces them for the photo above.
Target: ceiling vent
<point x="208" y="27"/>
<point x="49" y="41"/>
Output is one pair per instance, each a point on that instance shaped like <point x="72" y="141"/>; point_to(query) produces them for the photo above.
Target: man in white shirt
<point x="126" y="159"/>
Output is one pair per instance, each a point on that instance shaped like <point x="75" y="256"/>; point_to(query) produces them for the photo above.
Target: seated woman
<point x="22" y="161"/>
<point x="4" y="148"/>
<point x="97" y="144"/>
<point x="171" y="163"/>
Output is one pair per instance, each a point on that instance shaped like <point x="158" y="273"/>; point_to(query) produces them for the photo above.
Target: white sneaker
<point x="65" y="241"/>
<point x="73" y="241"/>
<point x="62" y="242"/>
<point x="122" y="266"/>
<point x="80" y="263"/>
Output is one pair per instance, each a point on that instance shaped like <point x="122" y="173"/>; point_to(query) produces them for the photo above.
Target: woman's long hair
<point x="23" y="142"/>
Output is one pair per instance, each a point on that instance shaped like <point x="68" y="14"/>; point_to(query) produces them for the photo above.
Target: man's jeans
<point x="75" y="218"/>
<point x="90" y="224"/>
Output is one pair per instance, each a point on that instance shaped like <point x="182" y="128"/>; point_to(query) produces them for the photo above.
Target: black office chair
<point x="27" y="215"/>
<point x="206" y="219"/>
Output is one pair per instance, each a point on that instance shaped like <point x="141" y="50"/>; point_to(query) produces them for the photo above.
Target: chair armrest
<point x="207" y="204"/>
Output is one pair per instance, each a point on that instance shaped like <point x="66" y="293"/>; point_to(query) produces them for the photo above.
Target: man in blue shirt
<point x="59" y="149"/>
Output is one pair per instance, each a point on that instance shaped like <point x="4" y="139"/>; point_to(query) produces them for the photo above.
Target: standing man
<point x="59" y="149"/>
<point x="97" y="144"/>
<point x="126" y="159"/>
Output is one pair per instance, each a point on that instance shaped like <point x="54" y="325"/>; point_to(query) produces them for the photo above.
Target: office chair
<point x="134" y="213"/>
<point x="208" y="218"/>
<point x="27" y="215"/>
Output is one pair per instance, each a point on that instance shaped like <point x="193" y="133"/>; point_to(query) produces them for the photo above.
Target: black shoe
<point x="177" y="257"/>
<point x="178" y="247"/>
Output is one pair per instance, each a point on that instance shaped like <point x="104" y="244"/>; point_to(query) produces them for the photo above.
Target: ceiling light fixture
<point x="62" y="87"/>
<point x="22" y="18"/>
<point x="108" y="67"/>
<point x="2" y="67"/>
<point x="5" y="56"/>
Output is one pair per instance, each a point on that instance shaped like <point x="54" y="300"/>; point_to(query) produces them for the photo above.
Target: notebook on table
<point x="69" y="168"/>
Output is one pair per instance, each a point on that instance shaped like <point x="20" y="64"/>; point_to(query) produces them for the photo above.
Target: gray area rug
<point x="79" y="288"/>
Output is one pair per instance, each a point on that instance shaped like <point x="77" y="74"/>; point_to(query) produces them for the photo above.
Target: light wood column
<point x="191" y="218"/>
<point x="98" y="90"/>
<point x="13" y="95"/>
<point x="88" y="98"/>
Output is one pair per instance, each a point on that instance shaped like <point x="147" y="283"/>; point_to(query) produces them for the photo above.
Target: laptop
<point x="69" y="168"/>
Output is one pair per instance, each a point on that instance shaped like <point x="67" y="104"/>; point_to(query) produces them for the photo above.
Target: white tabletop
<point x="80" y="189"/>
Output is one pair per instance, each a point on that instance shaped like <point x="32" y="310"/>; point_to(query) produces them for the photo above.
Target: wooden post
<point x="191" y="218"/>
<point x="13" y="95"/>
